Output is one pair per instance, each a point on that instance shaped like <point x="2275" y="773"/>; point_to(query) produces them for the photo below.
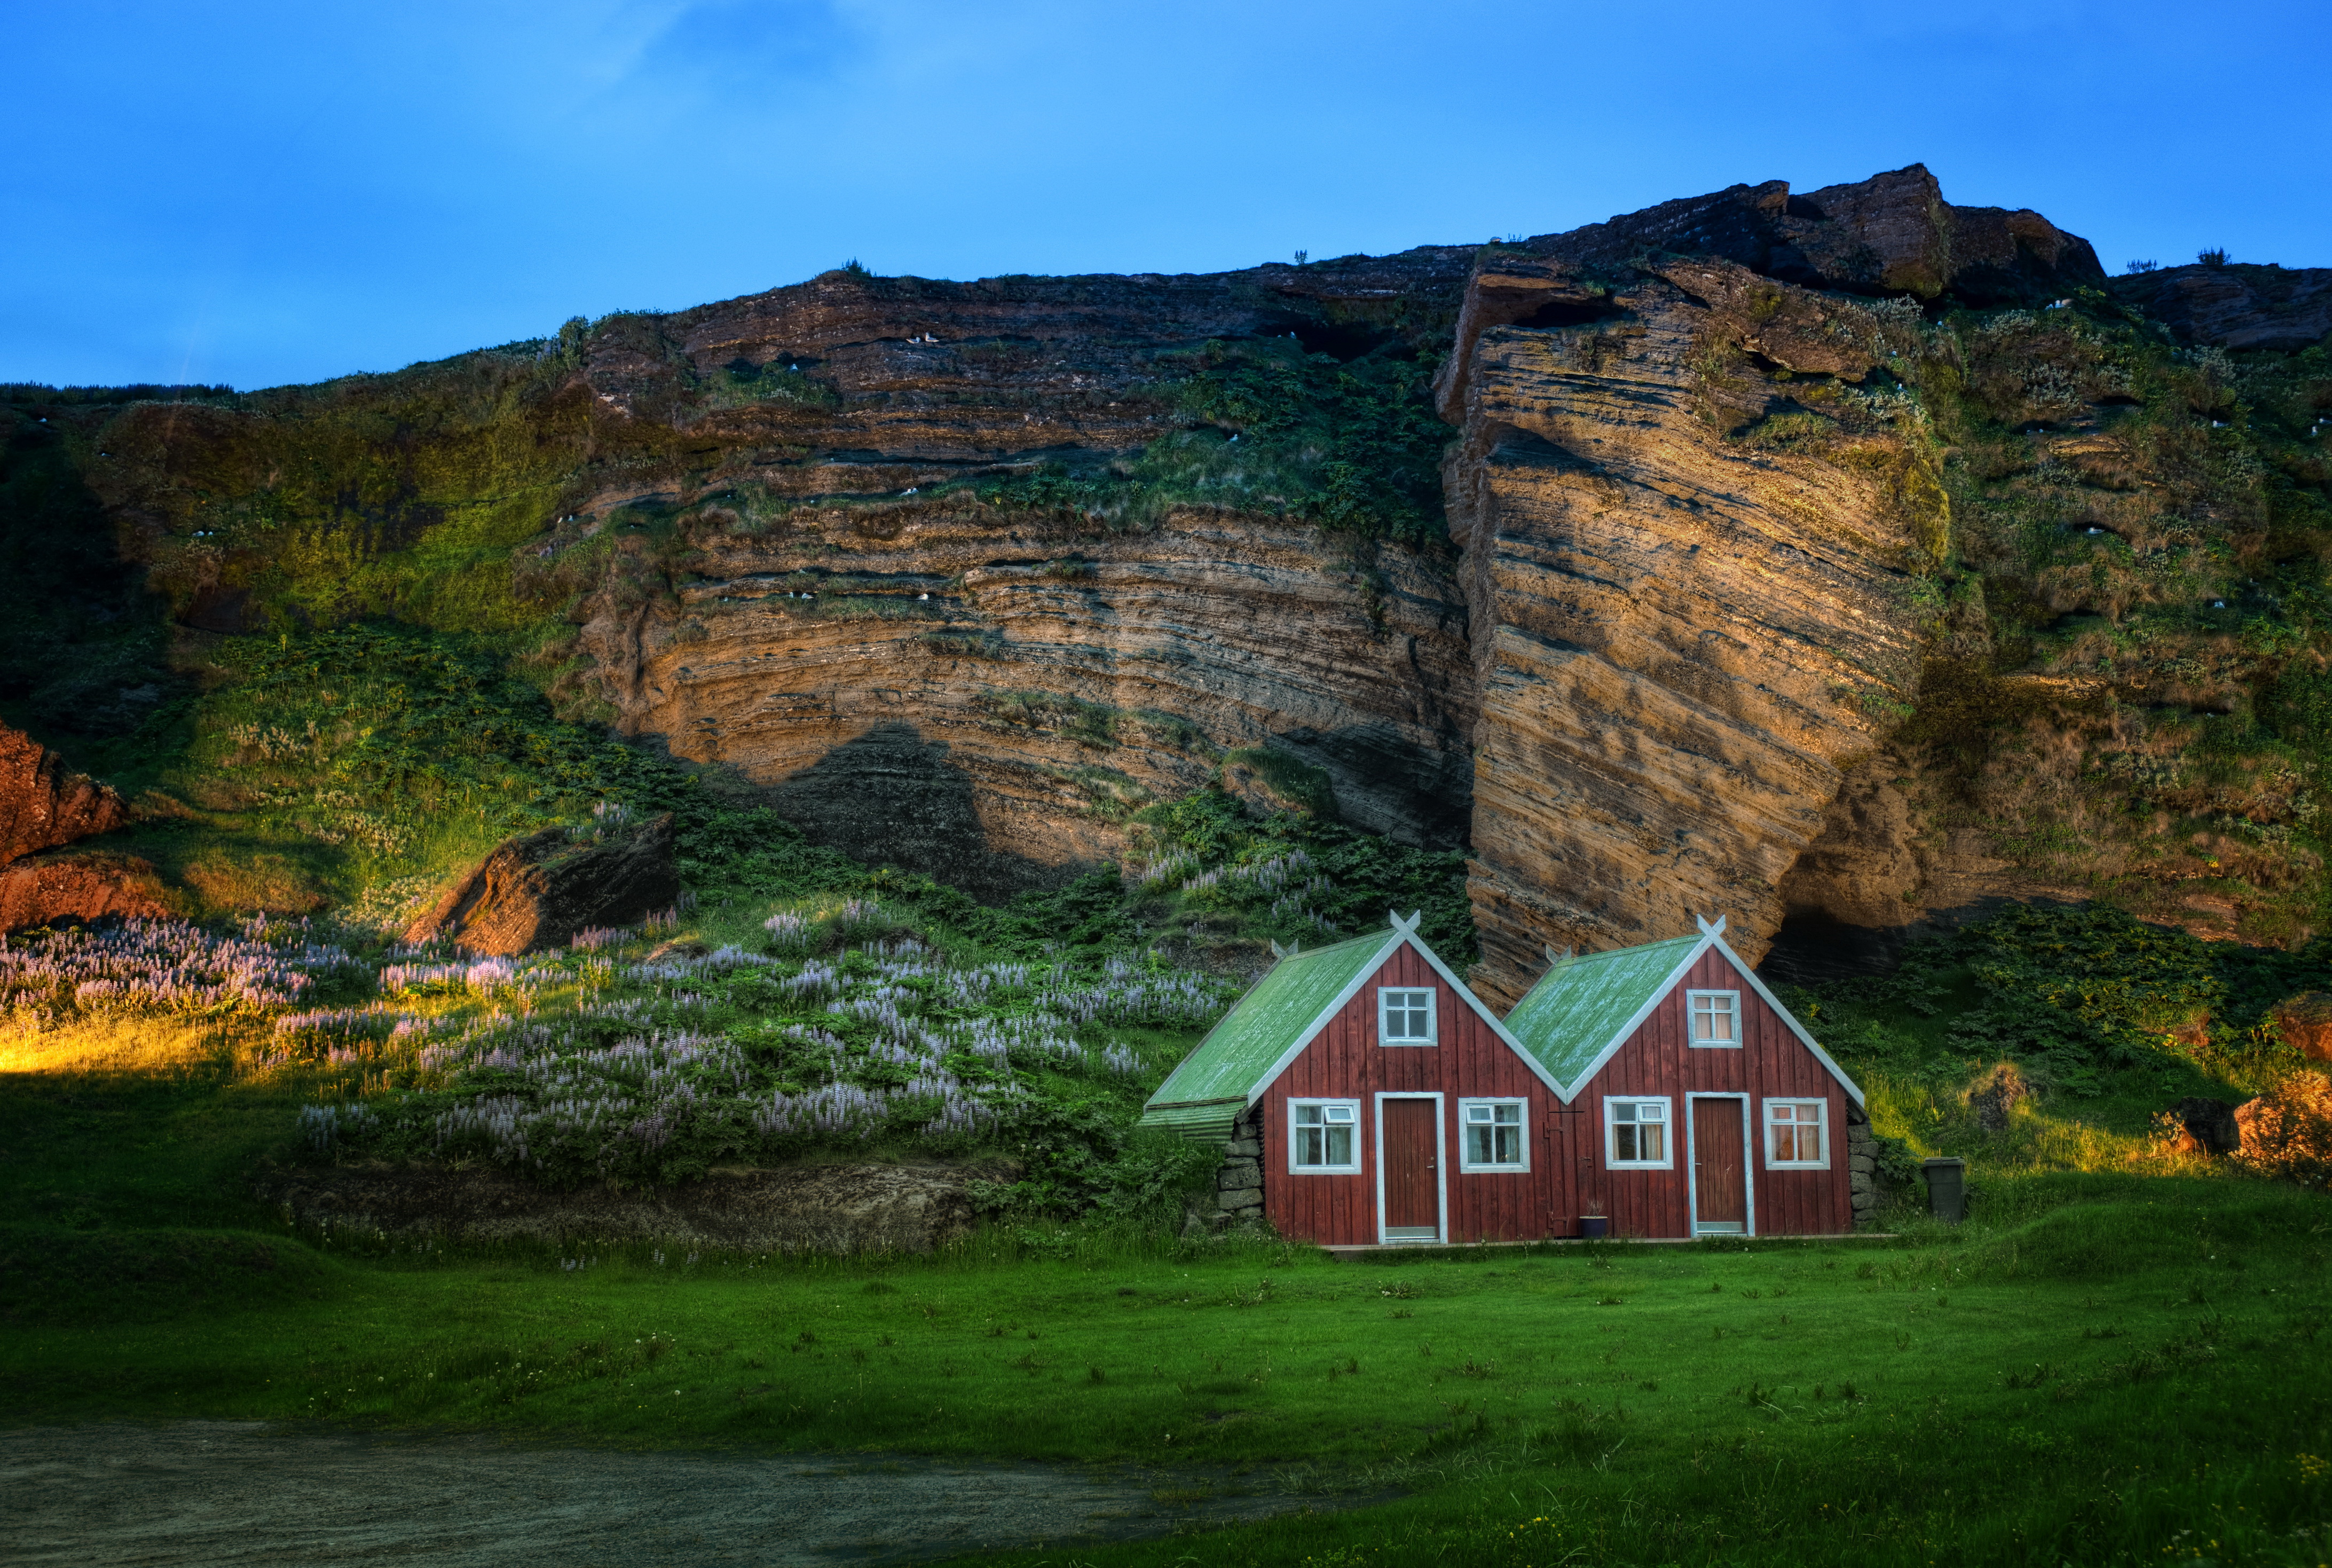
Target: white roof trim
<point x="1853" y="1089"/>
<point x="1660" y="994"/>
<point x="1404" y="933"/>
<point x="1482" y="1012"/>
<point x="1393" y="938"/>
<point x="1712" y="936"/>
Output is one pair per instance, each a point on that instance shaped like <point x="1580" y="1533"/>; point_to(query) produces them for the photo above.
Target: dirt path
<point x="219" y="1492"/>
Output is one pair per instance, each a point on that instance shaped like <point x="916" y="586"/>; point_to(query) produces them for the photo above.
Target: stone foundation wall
<point x="1862" y="1165"/>
<point x="1239" y="1185"/>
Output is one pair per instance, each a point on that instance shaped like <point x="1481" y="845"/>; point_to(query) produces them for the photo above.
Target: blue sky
<point x="259" y="193"/>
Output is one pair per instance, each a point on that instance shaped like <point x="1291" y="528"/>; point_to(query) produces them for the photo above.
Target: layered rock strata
<point x="984" y="690"/>
<point x="969" y="696"/>
<point x="2235" y="306"/>
<point x="1681" y="635"/>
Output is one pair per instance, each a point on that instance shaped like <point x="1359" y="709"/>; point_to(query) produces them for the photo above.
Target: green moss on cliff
<point x="2131" y="610"/>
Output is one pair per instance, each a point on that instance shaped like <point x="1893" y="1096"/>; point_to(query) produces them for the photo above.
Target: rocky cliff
<point x="1821" y="559"/>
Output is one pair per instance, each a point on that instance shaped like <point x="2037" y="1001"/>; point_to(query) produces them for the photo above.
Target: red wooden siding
<point x="1771" y="1061"/>
<point x="1345" y="1062"/>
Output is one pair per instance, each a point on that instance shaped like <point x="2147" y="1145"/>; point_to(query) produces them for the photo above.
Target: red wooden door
<point x="1720" y="1174"/>
<point x="1412" y="1190"/>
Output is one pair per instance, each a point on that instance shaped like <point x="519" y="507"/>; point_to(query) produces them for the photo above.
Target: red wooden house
<point x="1366" y="1096"/>
<point x="1696" y="1105"/>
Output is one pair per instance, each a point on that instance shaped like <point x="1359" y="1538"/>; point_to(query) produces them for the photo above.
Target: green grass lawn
<point x="2109" y="1362"/>
<point x="2120" y="1359"/>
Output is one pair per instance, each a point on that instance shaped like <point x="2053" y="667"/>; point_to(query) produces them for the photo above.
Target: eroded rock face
<point x="1890" y="234"/>
<point x="80" y="885"/>
<point x="1680" y="637"/>
<point x="42" y="804"/>
<point x="826" y="1209"/>
<point x="1000" y="699"/>
<point x="982" y="692"/>
<point x="539" y="891"/>
<point x="2237" y="306"/>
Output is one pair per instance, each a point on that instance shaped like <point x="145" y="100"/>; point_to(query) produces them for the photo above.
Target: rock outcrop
<point x="1692" y="506"/>
<point x="1890" y="234"/>
<point x="984" y="690"/>
<point x="823" y="1209"/>
<point x="43" y="805"/>
<point x="1682" y="634"/>
<point x="2236" y="306"/>
<point x="79" y="885"/>
<point x="539" y="891"/>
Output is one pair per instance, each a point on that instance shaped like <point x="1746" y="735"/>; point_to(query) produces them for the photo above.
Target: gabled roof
<point x="1280" y="1015"/>
<point x="1587" y="1003"/>
<point x="1583" y="1010"/>
<point x="1281" y="1011"/>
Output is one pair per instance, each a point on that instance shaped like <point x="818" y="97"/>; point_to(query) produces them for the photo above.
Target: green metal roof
<point x="1277" y="1013"/>
<point x="1209" y="1124"/>
<point x="1581" y="1004"/>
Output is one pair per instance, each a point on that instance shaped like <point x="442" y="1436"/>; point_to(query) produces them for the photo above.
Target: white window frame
<point x="1821" y="1123"/>
<point x="1466" y="1162"/>
<point x="1612" y="1160"/>
<point x="1296" y="1140"/>
<point x="1692" y="1000"/>
<point x="1432" y="1016"/>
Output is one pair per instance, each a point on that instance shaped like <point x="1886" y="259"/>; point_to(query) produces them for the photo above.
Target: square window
<point x="1635" y="1133"/>
<point x="1794" y="1134"/>
<point x="1324" y="1137"/>
<point x="1715" y="1016"/>
<point x="1492" y="1135"/>
<point x="1405" y="1016"/>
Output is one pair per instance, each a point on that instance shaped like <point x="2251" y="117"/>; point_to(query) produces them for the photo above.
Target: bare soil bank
<point x="831" y="1208"/>
<point x="221" y="1492"/>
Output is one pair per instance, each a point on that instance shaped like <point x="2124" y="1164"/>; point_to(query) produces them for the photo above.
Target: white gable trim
<point x="1712" y="936"/>
<point x="1853" y="1089"/>
<point x="1393" y="938"/>
<point x="1660" y="994"/>
<point x="1403" y="933"/>
<point x="1466" y="992"/>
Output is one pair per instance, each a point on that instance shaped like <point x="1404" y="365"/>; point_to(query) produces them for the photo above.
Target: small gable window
<point x="1326" y="1140"/>
<point x="1405" y="1016"/>
<point x="1715" y="1016"/>
<point x="1493" y="1130"/>
<point x="1635" y="1133"/>
<point x="1794" y="1135"/>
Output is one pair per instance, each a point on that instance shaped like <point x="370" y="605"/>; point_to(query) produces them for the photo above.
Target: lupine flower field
<point x="623" y="1058"/>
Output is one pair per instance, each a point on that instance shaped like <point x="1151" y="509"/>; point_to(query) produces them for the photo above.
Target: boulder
<point x="539" y="891"/>
<point x="2288" y="1130"/>
<point x="82" y="886"/>
<point x="2210" y="1127"/>
<point x="2306" y="1022"/>
<point x="43" y="804"/>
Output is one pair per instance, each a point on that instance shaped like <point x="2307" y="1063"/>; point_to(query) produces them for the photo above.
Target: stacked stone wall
<point x="1238" y="1184"/>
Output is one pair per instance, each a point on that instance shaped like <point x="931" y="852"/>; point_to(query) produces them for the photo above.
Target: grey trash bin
<point x="1947" y="1189"/>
